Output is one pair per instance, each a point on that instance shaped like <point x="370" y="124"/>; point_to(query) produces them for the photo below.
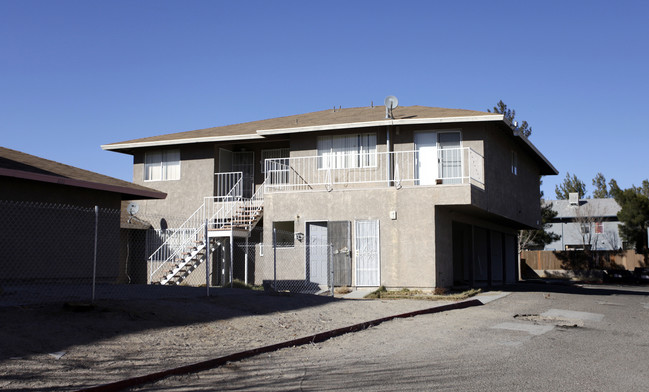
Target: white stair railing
<point x="192" y="231"/>
<point x="253" y="207"/>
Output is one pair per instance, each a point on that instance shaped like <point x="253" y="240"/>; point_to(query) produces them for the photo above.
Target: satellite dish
<point x="132" y="208"/>
<point x="391" y="102"/>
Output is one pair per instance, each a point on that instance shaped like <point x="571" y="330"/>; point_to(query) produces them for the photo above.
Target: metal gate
<point x="368" y="271"/>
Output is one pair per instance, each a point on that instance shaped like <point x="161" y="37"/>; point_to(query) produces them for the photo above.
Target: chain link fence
<point x="57" y="252"/>
<point x="294" y="265"/>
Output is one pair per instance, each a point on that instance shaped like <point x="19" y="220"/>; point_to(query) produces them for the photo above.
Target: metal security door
<point x="368" y="271"/>
<point x="316" y="252"/>
<point x="339" y="236"/>
<point x="244" y="161"/>
<point x="425" y="158"/>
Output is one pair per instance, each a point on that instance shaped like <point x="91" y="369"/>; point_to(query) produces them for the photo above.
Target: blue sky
<point x="78" y="74"/>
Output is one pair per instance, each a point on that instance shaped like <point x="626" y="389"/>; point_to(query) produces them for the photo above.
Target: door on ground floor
<point x="339" y="235"/>
<point x="368" y="271"/>
<point x="317" y="252"/>
<point x="325" y="237"/>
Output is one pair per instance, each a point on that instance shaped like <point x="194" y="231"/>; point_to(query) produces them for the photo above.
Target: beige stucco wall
<point x="416" y="248"/>
<point x="407" y="244"/>
<point x="184" y="196"/>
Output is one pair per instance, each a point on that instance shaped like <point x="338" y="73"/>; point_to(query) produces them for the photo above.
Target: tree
<point x="570" y="184"/>
<point x="588" y="218"/>
<point x="523" y="128"/>
<point x="601" y="191"/>
<point x="613" y="189"/>
<point x="634" y="215"/>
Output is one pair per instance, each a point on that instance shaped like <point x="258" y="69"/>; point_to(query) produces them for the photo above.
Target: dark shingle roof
<point x="21" y="165"/>
<point x="314" y="119"/>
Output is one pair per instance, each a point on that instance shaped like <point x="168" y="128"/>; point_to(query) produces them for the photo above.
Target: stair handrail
<point x="256" y="202"/>
<point x="195" y="226"/>
<point x="230" y="201"/>
<point x="190" y="230"/>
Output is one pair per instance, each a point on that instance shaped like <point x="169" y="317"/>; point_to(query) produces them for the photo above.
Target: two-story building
<point x="418" y="197"/>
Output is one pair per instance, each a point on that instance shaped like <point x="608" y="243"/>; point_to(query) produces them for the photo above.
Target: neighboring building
<point x="47" y="219"/>
<point x="585" y="224"/>
<point x="423" y="197"/>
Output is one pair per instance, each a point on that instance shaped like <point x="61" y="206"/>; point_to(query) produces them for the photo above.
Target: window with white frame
<point x="347" y="151"/>
<point x="162" y="165"/>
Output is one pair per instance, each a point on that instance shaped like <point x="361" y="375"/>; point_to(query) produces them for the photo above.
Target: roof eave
<point x="379" y="123"/>
<point x="126" y="192"/>
<point x="207" y="139"/>
<point x="551" y="170"/>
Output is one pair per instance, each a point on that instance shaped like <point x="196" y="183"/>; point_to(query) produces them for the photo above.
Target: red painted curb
<point x="319" y="337"/>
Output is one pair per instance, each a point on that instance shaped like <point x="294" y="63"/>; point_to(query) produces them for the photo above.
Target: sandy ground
<point x="55" y="347"/>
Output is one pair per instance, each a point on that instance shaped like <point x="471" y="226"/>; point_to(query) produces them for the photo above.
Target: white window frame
<point x="356" y="151"/>
<point x="162" y="165"/>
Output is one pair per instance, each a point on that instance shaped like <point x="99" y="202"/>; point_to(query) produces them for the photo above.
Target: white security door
<point x="368" y="271"/>
<point x="317" y="252"/>
<point x="450" y="157"/>
<point x="425" y="158"/>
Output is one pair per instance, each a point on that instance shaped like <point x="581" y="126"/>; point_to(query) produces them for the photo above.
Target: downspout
<point x="389" y="165"/>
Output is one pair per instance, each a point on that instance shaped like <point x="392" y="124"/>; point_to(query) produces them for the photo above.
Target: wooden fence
<point x="581" y="260"/>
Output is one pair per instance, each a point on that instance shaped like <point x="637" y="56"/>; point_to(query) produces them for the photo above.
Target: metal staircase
<point x="220" y="216"/>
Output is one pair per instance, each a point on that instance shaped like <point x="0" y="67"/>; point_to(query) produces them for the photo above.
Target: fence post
<point x="274" y="259"/>
<point x="245" y="279"/>
<point x="330" y="252"/>
<point x="94" y="264"/>
<point x="207" y="259"/>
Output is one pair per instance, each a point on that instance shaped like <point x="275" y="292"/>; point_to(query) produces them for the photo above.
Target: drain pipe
<point x="389" y="165"/>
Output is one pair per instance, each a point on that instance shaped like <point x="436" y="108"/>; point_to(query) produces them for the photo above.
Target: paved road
<point x="538" y="338"/>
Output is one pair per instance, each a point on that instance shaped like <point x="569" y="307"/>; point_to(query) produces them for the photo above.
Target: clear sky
<point x="78" y="74"/>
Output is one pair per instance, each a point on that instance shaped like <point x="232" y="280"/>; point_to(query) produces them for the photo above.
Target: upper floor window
<point x="347" y="151"/>
<point x="514" y="163"/>
<point x="162" y="165"/>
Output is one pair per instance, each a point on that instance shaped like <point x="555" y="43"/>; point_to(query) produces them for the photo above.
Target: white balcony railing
<point x="399" y="169"/>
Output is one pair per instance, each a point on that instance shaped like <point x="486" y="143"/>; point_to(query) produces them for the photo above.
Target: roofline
<point x="531" y="146"/>
<point x="152" y="194"/>
<point x="260" y="133"/>
<point x="367" y="124"/>
<point x="206" y="139"/>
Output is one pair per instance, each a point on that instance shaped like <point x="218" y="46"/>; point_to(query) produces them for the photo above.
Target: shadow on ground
<point x="47" y="328"/>
<point x="568" y="287"/>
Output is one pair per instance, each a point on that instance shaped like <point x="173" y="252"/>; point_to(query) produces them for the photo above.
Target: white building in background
<point x="585" y="224"/>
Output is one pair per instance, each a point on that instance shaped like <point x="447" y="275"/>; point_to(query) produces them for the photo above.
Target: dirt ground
<point x="56" y="347"/>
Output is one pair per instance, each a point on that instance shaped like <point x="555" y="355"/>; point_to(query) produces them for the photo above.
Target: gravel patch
<point x="57" y="347"/>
